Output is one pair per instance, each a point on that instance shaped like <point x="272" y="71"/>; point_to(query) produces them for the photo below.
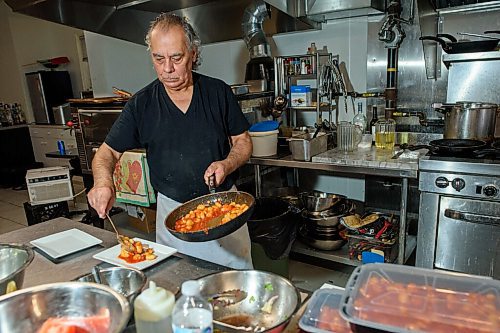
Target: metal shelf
<point x="301" y="76"/>
<point x="342" y="255"/>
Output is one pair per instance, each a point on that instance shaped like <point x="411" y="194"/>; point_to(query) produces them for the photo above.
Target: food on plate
<point x="329" y="319"/>
<point x="198" y="219"/>
<point x="134" y="251"/>
<point x="424" y="308"/>
<point x="94" y="324"/>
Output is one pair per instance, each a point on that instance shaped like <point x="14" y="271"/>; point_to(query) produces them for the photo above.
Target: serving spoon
<point x="123" y="240"/>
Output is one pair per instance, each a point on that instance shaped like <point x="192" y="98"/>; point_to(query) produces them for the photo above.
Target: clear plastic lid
<point x="400" y="298"/>
<point x="322" y="314"/>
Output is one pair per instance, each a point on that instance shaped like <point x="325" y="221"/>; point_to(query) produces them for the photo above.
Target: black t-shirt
<point x="180" y="146"/>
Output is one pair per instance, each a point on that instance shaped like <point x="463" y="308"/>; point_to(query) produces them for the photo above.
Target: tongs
<point x="228" y="297"/>
<point x="123" y="240"/>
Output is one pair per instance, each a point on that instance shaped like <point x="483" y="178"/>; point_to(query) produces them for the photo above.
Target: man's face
<point x="172" y="60"/>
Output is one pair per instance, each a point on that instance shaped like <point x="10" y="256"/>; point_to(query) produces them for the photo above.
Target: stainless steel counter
<point x="169" y="273"/>
<point x="362" y="161"/>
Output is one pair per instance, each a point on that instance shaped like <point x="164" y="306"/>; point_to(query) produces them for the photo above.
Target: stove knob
<point x="490" y="191"/>
<point x="458" y="184"/>
<point x="441" y="182"/>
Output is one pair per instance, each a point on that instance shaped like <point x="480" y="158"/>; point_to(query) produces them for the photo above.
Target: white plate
<point x="65" y="242"/>
<point x="111" y="255"/>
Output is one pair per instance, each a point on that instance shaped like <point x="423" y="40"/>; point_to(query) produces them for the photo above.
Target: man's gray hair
<point x="165" y="20"/>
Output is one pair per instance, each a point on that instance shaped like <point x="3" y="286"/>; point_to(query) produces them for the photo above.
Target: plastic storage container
<point x="153" y="310"/>
<point x="264" y="143"/>
<point x="395" y="298"/>
<point x="192" y="313"/>
<point x="322" y="313"/>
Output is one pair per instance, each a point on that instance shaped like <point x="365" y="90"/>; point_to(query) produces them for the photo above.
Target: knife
<point x="399" y="153"/>
<point x="211" y="183"/>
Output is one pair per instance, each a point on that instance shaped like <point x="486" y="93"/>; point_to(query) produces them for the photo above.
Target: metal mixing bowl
<point x="127" y="281"/>
<point x="260" y="288"/>
<point x="315" y="201"/>
<point x="14" y="258"/>
<point x="25" y="311"/>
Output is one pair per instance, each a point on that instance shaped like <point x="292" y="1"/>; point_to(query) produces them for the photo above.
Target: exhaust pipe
<point x="253" y="34"/>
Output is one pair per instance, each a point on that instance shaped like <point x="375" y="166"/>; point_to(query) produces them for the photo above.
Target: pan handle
<point x="443" y="43"/>
<point x="416" y="147"/>
<point x="442" y="107"/>
<point x="492" y="32"/>
<point x="451" y="38"/>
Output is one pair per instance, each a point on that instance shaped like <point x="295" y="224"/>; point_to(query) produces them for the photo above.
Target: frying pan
<point x="218" y="231"/>
<point x="450" y="147"/>
<point x="493" y="151"/>
<point x="451" y="45"/>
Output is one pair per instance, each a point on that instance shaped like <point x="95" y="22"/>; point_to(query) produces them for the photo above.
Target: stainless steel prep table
<point x="362" y="161"/>
<point x="168" y="274"/>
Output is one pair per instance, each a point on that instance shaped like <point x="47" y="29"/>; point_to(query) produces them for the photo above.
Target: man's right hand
<point x="101" y="198"/>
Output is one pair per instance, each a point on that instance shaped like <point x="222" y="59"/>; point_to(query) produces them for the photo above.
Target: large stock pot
<point x="468" y="120"/>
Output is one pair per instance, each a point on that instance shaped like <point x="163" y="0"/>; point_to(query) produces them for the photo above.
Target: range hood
<point x="215" y="20"/>
<point x="323" y="10"/>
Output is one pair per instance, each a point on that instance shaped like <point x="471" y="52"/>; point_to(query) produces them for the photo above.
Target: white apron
<point x="231" y="251"/>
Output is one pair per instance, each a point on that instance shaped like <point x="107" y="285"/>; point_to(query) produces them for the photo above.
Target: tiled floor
<point x="12" y="217"/>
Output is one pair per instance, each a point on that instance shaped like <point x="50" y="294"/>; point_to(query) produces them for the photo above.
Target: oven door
<point x="96" y="124"/>
<point x="468" y="238"/>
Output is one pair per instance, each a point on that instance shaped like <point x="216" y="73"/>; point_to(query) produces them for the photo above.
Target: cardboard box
<point x="142" y="218"/>
<point x="300" y="95"/>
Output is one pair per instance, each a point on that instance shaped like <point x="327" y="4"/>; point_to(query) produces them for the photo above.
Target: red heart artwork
<point x="134" y="175"/>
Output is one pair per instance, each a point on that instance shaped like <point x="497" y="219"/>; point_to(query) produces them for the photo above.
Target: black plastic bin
<point x="44" y="212"/>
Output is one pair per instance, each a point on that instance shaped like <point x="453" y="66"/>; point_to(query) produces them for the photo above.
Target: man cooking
<point x="191" y="127"/>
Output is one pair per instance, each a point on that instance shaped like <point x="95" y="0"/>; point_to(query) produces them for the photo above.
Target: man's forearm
<point x="103" y="165"/>
<point x="240" y="152"/>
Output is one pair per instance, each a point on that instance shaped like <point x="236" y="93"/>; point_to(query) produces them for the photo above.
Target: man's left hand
<point x="219" y="169"/>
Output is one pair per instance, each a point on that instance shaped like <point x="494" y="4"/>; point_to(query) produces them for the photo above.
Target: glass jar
<point x="385" y="133"/>
<point x="348" y="136"/>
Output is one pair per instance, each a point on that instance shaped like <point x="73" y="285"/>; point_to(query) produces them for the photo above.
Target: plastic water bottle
<point x="192" y="313"/>
<point x="153" y="310"/>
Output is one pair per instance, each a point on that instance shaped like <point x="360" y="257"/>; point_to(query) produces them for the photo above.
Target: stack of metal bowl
<point x="90" y="306"/>
<point x="127" y="281"/>
<point x="14" y="258"/>
<point x="320" y="227"/>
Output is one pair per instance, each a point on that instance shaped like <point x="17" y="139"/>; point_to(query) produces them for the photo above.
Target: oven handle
<point x="470" y="217"/>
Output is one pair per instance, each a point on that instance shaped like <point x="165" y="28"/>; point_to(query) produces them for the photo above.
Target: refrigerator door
<point x="37" y="96"/>
<point x="48" y="89"/>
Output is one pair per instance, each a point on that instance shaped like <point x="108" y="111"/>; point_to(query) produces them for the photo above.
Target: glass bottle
<point x="372" y="124"/>
<point x="385" y="133"/>
<point x="192" y="313"/>
<point x="360" y="119"/>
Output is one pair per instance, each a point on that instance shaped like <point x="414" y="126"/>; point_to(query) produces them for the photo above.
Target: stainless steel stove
<point x="459" y="216"/>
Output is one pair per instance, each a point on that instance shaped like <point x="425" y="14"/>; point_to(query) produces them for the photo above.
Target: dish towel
<point x="131" y="178"/>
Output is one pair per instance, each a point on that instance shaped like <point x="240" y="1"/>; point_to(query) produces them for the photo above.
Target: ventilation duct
<point x="253" y="34"/>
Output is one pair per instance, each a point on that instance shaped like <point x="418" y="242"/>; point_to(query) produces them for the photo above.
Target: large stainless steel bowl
<point x="25" y="311"/>
<point x="260" y="287"/>
<point x="315" y="201"/>
<point x="127" y="281"/>
<point x="14" y="258"/>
